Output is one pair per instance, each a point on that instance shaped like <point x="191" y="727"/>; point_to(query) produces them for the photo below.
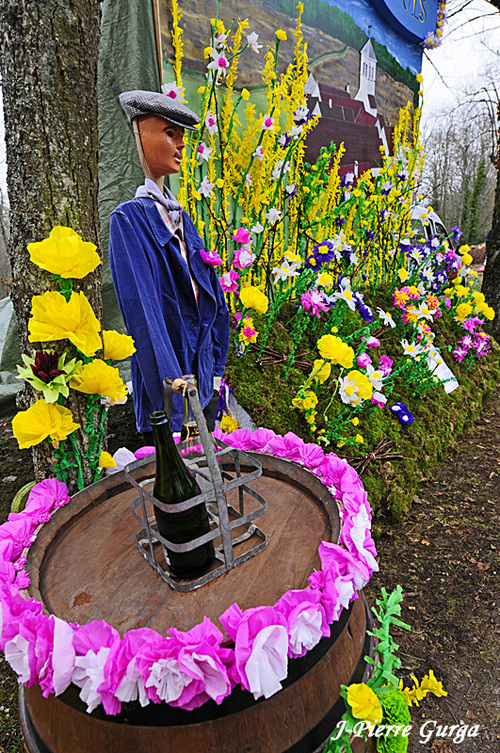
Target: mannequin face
<point x="162" y="143"/>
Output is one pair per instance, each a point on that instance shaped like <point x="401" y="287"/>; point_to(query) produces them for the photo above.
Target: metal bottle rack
<point x="218" y="470"/>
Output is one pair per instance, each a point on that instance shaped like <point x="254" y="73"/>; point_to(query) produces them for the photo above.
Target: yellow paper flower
<point x="467" y="260"/>
<point x="324" y="372"/>
<point x="336" y="350"/>
<point x="365" y="387"/>
<point x="419" y="78"/>
<point x="117" y="346"/>
<point x="281" y="35"/>
<point x="253" y="298"/>
<point x="42" y="420"/>
<point x="65" y="254"/>
<point x="228" y="424"/>
<point x="245" y="94"/>
<point x="364" y="703"/>
<point x="106" y="460"/>
<point x="463" y="311"/>
<point x="54" y="318"/>
<point x="98" y="378"/>
<point x="310" y="400"/>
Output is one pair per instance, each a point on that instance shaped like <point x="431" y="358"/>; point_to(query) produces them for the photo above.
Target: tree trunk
<point x="491" y="280"/>
<point x="49" y="56"/>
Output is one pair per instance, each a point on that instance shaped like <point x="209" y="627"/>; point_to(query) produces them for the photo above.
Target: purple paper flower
<point x="402" y="413"/>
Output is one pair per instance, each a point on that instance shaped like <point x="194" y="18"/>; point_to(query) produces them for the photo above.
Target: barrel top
<point x="85" y="565"/>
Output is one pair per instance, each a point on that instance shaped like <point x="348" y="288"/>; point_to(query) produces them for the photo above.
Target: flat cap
<point x="139" y="102"/>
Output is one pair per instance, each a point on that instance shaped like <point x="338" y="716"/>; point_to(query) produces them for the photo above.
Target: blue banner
<point x="412" y="18"/>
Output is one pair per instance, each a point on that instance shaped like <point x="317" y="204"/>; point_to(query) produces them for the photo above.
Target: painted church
<point x="352" y="120"/>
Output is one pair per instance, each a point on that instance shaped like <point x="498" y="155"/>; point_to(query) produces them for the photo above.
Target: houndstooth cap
<point x="140" y="102"/>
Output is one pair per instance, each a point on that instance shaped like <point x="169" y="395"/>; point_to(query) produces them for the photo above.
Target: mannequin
<point x="171" y="301"/>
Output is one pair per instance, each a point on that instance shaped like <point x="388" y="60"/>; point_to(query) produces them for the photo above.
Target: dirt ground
<point x="446" y="557"/>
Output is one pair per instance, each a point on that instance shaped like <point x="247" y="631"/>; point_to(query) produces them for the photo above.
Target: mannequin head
<point x="162" y="143"/>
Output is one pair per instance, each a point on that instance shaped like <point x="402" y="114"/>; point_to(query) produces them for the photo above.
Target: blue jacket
<point x="173" y="334"/>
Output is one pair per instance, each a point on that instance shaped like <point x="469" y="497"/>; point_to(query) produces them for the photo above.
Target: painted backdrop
<point x="362" y="61"/>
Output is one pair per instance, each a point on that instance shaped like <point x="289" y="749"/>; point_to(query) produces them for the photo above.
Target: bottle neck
<point x="167" y="456"/>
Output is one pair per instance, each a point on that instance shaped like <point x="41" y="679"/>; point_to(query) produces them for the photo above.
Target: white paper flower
<point x="168" y="679"/>
<point x="252" y="42"/>
<point x="88" y="674"/>
<point x="273" y="215"/>
<point x="131" y="686"/>
<point x="286" y="270"/>
<point x="257" y="228"/>
<point x="259" y="153"/>
<point x="206" y="188"/>
<point x="174" y="92"/>
<point x="305" y="633"/>
<point x="386" y="318"/>
<point x="203" y="152"/>
<point x="211" y="123"/>
<point x="267" y="665"/>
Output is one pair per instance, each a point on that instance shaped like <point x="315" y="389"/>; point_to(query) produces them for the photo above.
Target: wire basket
<point x="218" y="471"/>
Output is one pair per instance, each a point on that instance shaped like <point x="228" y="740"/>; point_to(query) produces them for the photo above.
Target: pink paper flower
<point x="363" y="360"/>
<point x="385" y="365"/>
<point x="315" y="302"/>
<point x="242" y="235"/>
<point x="93" y="643"/>
<point x="229" y="281"/>
<point x="379" y="399"/>
<point x="373" y="342"/>
<point x="306" y="620"/>
<point x="210" y="257"/>
<point x="242" y="258"/>
<point x="261" y="650"/>
<point x="143" y="452"/>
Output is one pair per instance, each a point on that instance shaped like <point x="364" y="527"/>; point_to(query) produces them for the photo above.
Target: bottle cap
<point x="158" y="417"/>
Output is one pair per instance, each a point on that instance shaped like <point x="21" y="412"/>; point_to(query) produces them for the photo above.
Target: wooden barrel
<point x="84" y="565"/>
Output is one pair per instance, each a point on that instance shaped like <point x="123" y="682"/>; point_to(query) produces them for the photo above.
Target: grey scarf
<point x="149" y="190"/>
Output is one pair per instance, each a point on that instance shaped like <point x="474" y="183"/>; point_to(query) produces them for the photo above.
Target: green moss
<point x="440" y="419"/>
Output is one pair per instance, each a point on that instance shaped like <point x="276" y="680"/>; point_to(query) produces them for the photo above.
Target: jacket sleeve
<point x="140" y="307"/>
<point x="220" y="330"/>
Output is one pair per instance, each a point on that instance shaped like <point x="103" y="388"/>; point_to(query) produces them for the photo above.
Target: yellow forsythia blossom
<point x="54" y="318"/>
<point x="64" y="253"/>
<point x="253" y="298"/>
<point x="364" y="703"/>
<point x="117" y="346"/>
<point x="98" y="378"/>
<point x="42" y="420"/>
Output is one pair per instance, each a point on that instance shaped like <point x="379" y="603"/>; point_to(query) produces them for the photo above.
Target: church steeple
<point x="367" y="78"/>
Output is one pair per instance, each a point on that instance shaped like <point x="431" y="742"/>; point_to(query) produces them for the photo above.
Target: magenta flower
<point x="210" y="257"/>
<point x="229" y="281"/>
<point x="242" y="258"/>
<point x="373" y="342"/>
<point x="242" y="236"/>
<point x="315" y="302"/>
<point x="459" y="353"/>
<point x="378" y="399"/>
<point x="363" y="360"/>
<point x="385" y="365"/>
<point x="261" y="648"/>
<point x="306" y="620"/>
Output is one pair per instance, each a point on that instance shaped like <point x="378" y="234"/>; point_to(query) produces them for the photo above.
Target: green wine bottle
<point x="173" y="484"/>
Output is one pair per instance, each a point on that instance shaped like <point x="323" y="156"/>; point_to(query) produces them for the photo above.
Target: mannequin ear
<point x="138" y="142"/>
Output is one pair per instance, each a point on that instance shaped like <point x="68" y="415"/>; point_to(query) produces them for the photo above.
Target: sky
<point x="462" y="56"/>
<point x="470" y="41"/>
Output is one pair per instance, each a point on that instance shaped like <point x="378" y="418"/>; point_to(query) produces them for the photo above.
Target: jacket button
<point x="192" y="325"/>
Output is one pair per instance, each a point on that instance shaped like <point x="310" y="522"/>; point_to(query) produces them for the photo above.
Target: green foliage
<point x="472" y="205"/>
<point x="440" y="419"/>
